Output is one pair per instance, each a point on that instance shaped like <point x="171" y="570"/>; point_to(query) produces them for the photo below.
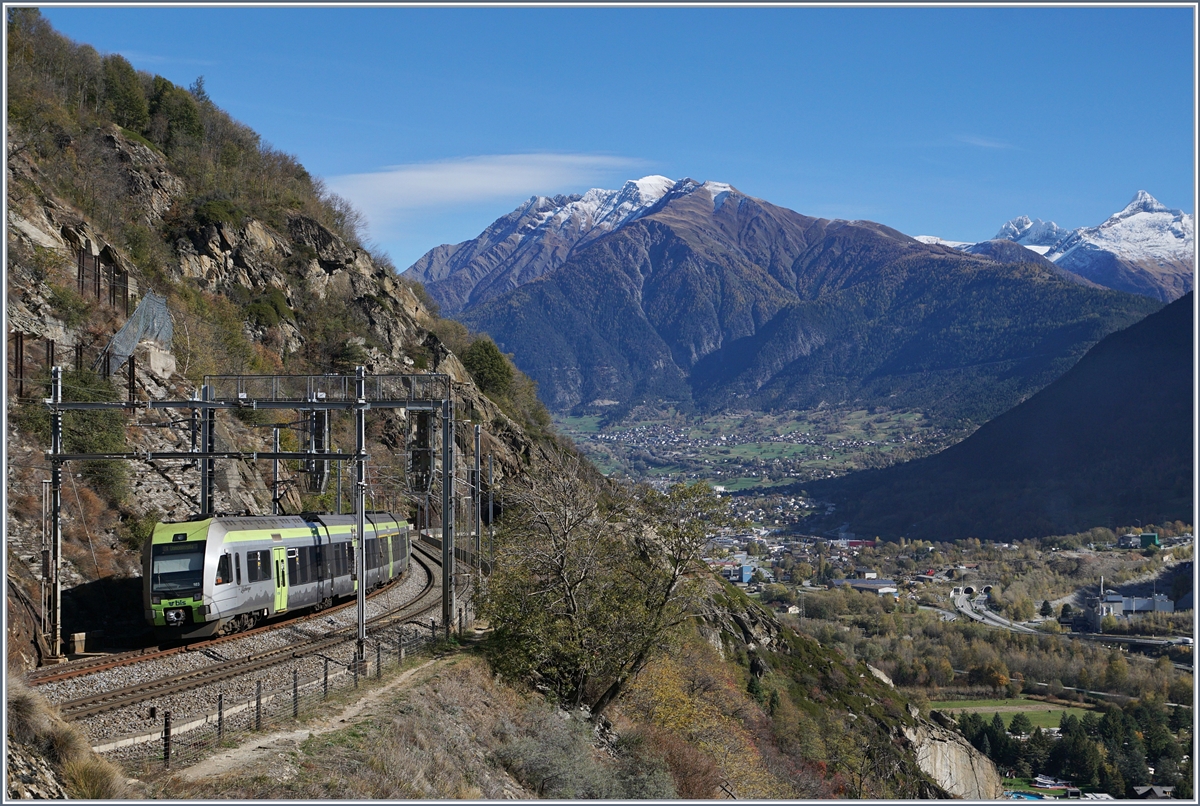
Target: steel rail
<point x="138" y="693"/>
<point x="52" y="674"/>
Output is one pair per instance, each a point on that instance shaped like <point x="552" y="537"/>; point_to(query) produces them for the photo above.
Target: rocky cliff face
<point x="30" y="776"/>
<point x="319" y="276"/>
<point x="950" y="760"/>
<point x="736" y="625"/>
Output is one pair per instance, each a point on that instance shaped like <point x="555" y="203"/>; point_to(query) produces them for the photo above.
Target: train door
<point x="281" y="597"/>
<point x="387" y="548"/>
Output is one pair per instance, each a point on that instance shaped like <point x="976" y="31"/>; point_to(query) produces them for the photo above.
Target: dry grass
<point x="458" y="734"/>
<point x="93" y="778"/>
<point x="33" y="722"/>
<point x="27" y="715"/>
<point x="62" y="744"/>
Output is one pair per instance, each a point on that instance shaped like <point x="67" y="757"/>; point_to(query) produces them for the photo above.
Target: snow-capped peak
<point x="653" y="187"/>
<point x="719" y="191"/>
<point x="1031" y="232"/>
<point x="1142" y="202"/>
<point x="1146" y="230"/>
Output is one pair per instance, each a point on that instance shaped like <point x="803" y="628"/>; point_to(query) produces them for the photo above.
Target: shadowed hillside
<point x="1109" y="442"/>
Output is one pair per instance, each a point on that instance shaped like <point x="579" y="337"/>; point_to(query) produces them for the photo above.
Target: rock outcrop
<point x="303" y="262"/>
<point x="951" y="761"/>
<point x="30" y="776"/>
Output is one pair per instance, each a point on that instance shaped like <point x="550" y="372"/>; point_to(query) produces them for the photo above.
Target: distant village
<point x="761" y="556"/>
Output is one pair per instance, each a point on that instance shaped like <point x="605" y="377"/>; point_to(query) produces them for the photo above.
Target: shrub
<point x="219" y="211"/>
<point x="135" y="531"/>
<point x="68" y="306"/>
<point x="262" y="314"/>
<point x="488" y="366"/>
<point x="695" y="775"/>
<point x="554" y="760"/>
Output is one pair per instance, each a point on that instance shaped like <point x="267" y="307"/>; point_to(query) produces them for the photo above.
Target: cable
<point x="86" y="531"/>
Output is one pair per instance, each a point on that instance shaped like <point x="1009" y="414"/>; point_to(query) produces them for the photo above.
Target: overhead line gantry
<point x="316" y="394"/>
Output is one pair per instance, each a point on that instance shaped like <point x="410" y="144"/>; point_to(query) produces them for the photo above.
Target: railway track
<point x="427" y="600"/>
<point x="85" y="666"/>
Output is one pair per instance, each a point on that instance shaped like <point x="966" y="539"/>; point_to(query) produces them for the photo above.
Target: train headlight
<point x="174" y="618"/>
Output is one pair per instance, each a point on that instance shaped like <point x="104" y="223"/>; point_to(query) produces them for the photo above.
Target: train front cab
<point x="173" y="580"/>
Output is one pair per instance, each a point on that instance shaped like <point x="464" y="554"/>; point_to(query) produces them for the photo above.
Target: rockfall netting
<point x="150" y="322"/>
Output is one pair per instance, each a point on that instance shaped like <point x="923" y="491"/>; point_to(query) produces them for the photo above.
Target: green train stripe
<point x="199" y="531"/>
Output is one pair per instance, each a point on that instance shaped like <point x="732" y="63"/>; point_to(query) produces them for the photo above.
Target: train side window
<point x="258" y="566"/>
<point x="293" y="566"/>
<point x="237" y="568"/>
<point x="224" y="576"/>
<point x="306" y="564"/>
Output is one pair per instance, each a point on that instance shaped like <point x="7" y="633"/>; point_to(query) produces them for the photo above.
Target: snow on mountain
<point x="1146" y="248"/>
<point x="936" y="241"/>
<point x="531" y="241"/>
<point x="1145" y="229"/>
<point x="1036" y="235"/>
<point x="600" y="211"/>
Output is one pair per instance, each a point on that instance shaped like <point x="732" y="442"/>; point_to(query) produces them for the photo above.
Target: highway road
<point x="976" y="610"/>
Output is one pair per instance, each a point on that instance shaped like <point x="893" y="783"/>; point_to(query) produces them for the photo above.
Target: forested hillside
<point x="122" y="184"/>
<point x="1112" y="441"/>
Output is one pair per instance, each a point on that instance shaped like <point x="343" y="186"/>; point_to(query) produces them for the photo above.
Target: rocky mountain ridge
<point x="529" y="242"/>
<point x="1145" y="248"/>
<point x="714" y="298"/>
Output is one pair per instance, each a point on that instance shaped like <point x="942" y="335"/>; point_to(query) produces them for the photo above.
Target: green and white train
<point x="221" y="575"/>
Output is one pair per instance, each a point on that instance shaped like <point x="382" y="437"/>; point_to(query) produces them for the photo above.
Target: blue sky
<point x="935" y="121"/>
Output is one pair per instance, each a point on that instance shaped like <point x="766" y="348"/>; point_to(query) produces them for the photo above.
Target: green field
<point x="1041" y="714"/>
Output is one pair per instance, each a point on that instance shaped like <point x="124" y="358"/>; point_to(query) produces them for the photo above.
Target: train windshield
<point x="177" y="567"/>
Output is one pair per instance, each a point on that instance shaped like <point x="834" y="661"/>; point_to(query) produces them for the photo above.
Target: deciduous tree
<point x="591" y="579"/>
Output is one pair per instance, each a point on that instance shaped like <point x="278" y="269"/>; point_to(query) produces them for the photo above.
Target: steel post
<point x="167" y="740"/>
<point x="475" y="501"/>
<point x="360" y="504"/>
<point x="56" y="513"/>
<point x="491" y="517"/>
<point x="207" y="443"/>
<point x="447" y="514"/>
<point x="275" y="474"/>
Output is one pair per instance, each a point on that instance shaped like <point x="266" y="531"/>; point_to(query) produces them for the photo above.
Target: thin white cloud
<point x="384" y="194"/>
<point x="982" y="142"/>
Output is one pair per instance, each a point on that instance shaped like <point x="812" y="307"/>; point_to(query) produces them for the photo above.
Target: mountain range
<point x="1110" y="441"/>
<point x="696" y="293"/>
<point x="1146" y="248"/>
